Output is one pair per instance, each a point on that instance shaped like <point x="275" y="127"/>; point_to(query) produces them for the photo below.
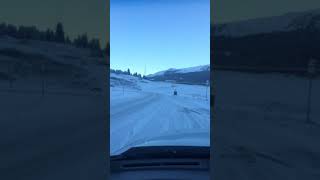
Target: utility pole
<point x="311" y="73"/>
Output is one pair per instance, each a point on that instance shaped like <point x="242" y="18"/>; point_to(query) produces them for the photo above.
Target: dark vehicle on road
<point x="175" y="93"/>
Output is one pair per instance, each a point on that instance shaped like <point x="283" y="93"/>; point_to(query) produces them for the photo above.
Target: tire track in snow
<point x="152" y="114"/>
<point x="127" y="118"/>
<point x="126" y="108"/>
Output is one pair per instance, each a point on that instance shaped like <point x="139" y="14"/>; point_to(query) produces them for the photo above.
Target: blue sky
<point x="159" y="34"/>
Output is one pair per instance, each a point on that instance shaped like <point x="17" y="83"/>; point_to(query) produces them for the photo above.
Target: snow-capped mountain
<point x="286" y="22"/>
<point x="192" y="75"/>
<point x="182" y="71"/>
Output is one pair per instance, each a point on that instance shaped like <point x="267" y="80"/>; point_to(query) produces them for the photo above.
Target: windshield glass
<point x="159" y="73"/>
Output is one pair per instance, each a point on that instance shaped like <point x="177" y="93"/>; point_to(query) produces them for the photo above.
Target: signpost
<point x="173" y="86"/>
<point x="311" y="73"/>
<point x="207" y="86"/>
<point x="43" y="78"/>
<point x="10" y="75"/>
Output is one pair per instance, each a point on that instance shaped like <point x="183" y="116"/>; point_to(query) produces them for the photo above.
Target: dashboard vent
<point x="159" y="164"/>
<point x="164" y="165"/>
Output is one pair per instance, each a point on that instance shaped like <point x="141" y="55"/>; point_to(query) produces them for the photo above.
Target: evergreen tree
<point x="68" y="41"/>
<point x="11" y="30"/>
<point x="3" y="28"/>
<point x="81" y="41"/>
<point x="95" y="44"/>
<point x="84" y="40"/>
<point x="108" y="49"/>
<point x="59" y="35"/>
<point x="49" y="35"/>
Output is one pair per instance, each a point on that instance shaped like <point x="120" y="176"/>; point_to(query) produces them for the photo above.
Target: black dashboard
<point x="162" y="163"/>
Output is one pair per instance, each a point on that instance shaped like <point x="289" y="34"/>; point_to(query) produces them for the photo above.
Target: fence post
<point x="10" y="75"/>
<point x="42" y="72"/>
<point x="207" y="86"/>
<point x="311" y="72"/>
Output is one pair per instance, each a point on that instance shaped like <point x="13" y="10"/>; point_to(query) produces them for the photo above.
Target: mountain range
<point x="191" y="75"/>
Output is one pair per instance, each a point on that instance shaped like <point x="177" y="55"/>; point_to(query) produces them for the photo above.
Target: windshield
<point x="160" y="74"/>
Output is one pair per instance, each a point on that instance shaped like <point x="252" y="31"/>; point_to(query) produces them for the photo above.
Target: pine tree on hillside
<point x="59" y="34"/>
<point x="84" y="40"/>
<point x="81" y="41"/>
<point x="49" y="35"/>
<point x="108" y="49"/>
<point x="3" y="28"/>
<point x="68" y="41"/>
<point x="12" y="30"/>
<point x="95" y="44"/>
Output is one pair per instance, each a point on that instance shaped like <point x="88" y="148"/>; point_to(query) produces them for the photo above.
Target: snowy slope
<point x="181" y="71"/>
<point x="30" y="63"/>
<point x="191" y="75"/>
<point x="194" y="69"/>
<point x="151" y="115"/>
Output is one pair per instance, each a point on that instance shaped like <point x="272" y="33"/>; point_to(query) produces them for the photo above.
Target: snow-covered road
<point x="148" y="114"/>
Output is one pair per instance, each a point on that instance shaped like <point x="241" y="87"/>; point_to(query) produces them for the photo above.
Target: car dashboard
<point x="164" y="167"/>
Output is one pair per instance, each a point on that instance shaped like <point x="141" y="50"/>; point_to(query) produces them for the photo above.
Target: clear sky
<point x="159" y="34"/>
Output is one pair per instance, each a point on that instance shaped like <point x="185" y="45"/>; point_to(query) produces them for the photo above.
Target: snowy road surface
<point x="138" y="116"/>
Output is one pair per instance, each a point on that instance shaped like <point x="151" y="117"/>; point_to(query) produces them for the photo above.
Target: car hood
<point x="186" y="138"/>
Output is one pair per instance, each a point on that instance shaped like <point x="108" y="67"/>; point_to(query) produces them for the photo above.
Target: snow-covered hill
<point x="30" y="63"/>
<point x="284" y="22"/>
<point x="191" y="75"/>
<point x="183" y="70"/>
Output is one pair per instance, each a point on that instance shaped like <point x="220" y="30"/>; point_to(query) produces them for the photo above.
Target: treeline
<point x="58" y="35"/>
<point x="126" y="73"/>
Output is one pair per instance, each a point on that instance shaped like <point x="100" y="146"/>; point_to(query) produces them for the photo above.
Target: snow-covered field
<point x="59" y="133"/>
<point x="260" y="129"/>
<point x="146" y="113"/>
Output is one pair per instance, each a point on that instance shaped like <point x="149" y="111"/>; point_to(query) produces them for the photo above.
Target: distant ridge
<point x="190" y="75"/>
